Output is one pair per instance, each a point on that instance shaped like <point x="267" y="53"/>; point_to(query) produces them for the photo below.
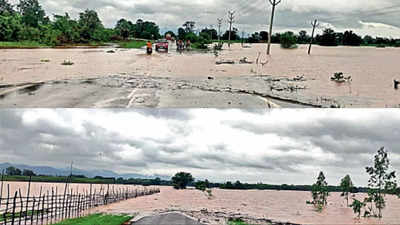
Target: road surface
<point x="167" y="219"/>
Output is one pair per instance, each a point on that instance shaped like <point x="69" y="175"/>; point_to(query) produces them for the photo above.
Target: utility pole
<point x="242" y="38"/>
<point x="274" y="3"/>
<point x="231" y="17"/>
<point x="211" y="31"/>
<point x="219" y="20"/>
<point x="314" y="24"/>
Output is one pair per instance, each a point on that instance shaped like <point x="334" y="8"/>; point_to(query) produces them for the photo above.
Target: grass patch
<point x="237" y="222"/>
<point x="22" y="44"/>
<point x="132" y="44"/>
<point x="98" y="219"/>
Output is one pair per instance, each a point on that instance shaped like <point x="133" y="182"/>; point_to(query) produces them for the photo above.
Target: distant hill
<point x="46" y="170"/>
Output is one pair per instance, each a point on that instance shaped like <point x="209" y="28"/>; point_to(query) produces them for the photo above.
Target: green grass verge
<point x="22" y="44"/>
<point x="237" y="222"/>
<point x="98" y="219"/>
<point x="132" y="44"/>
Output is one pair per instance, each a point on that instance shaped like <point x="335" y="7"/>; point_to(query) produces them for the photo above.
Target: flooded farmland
<point x="283" y="206"/>
<point x="372" y="69"/>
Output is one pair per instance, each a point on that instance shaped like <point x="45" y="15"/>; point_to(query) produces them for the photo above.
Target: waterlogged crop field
<point x="284" y="206"/>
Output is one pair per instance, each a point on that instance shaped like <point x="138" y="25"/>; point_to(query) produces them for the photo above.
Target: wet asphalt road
<point x="167" y="219"/>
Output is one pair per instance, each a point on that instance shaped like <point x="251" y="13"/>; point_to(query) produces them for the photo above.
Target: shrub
<point x="288" y="40"/>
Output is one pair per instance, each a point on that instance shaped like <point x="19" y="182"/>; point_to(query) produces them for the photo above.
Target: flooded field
<point x="283" y="206"/>
<point x="372" y="69"/>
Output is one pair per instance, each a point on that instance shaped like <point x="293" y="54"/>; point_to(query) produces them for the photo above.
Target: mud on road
<point x="123" y="91"/>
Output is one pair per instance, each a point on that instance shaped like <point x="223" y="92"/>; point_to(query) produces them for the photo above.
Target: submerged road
<point x="160" y="92"/>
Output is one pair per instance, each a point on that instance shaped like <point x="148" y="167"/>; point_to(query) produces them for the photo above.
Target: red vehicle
<point x="162" y="44"/>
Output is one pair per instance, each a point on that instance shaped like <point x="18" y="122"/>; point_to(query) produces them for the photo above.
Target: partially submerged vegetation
<point x="103" y="219"/>
<point x="382" y="182"/>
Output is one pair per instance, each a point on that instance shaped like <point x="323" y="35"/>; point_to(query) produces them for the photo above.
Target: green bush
<point x="288" y="40"/>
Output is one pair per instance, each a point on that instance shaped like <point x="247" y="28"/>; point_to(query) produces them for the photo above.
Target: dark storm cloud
<point x="222" y="141"/>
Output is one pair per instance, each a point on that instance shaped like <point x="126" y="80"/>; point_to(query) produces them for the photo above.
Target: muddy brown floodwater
<point x="283" y="206"/>
<point x="372" y="69"/>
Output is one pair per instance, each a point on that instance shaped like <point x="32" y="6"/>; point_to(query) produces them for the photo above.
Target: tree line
<point x="329" y="37"/>
<point x="27" y="21"/>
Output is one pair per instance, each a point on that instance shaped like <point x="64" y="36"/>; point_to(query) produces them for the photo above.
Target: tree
<point x="357" y="206"/>
<point x="264" y="35"/>
<point x="6" y="8"/>
<point x="234" y="35"/>
<point x="90" y="24"/>
<point x="351" y="39"/>
<point x="68" y="28"/>
<point x="303" y="37"/>
<point x="124" y="28"/>
<point x="288" y="40"/>
<point x="189" y="26"/>
<point x="181" y="33"/>
<point x="181" y="180"/>
<point x="320" y="192"/>
<point x="12" y="171"/>
<point x="381" y="182"/>
<point x="347" y="186"/>
<point x="28" y="173"/>
<point x="170" y="33"/>
<point x="32" y="13"/>
<point x="10" y="27"/>
<point x="328" y="38"/>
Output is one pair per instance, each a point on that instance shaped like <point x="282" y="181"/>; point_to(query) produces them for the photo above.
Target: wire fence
<point x="55" y="205"/>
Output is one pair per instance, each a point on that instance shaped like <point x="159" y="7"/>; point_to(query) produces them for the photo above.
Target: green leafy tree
<point x="12" y="171"/>
<point x="303" y="37"/>
<point x="320" y="192"/>
<point x="347" y="186"/>
<point x="32" y="13"/>
<point x="381" y="182"/>
<point x="181" y="180"/>
<point x="28" y="173"/>
<point x="189" y="26"/>
<point x="6" y="8"/>
<point x="89" y="23"/>
<point x="181" y="33"/>
<point x="288" y="40"/>
<point x="124" y="28"/>
<point x="328" y="38"/>
<point x="357" y="206"/>
<point x="68" y="29"/>
<point x="10" y="27"/>
<point x="171" y="33"/>
<point x="352" y="39"/>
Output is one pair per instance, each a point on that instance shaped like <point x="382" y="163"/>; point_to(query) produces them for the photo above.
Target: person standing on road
<point x="149" y="47"/>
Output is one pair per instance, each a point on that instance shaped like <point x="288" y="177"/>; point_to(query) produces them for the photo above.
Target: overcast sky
<point x="376" y="17"/>
<point x="279" y="146"/>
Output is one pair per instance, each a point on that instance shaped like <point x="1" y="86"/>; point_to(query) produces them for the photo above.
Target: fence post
<point x="33" y="209"/>
<point x="22" y="207"/>
<point x="7" y="203"/>
<point x="27" y="196"/>
<point x="13" y="209"/>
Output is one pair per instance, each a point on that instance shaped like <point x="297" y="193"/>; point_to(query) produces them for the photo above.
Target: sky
<point x="275" y="146"/>
<point x="375" y="17"/>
